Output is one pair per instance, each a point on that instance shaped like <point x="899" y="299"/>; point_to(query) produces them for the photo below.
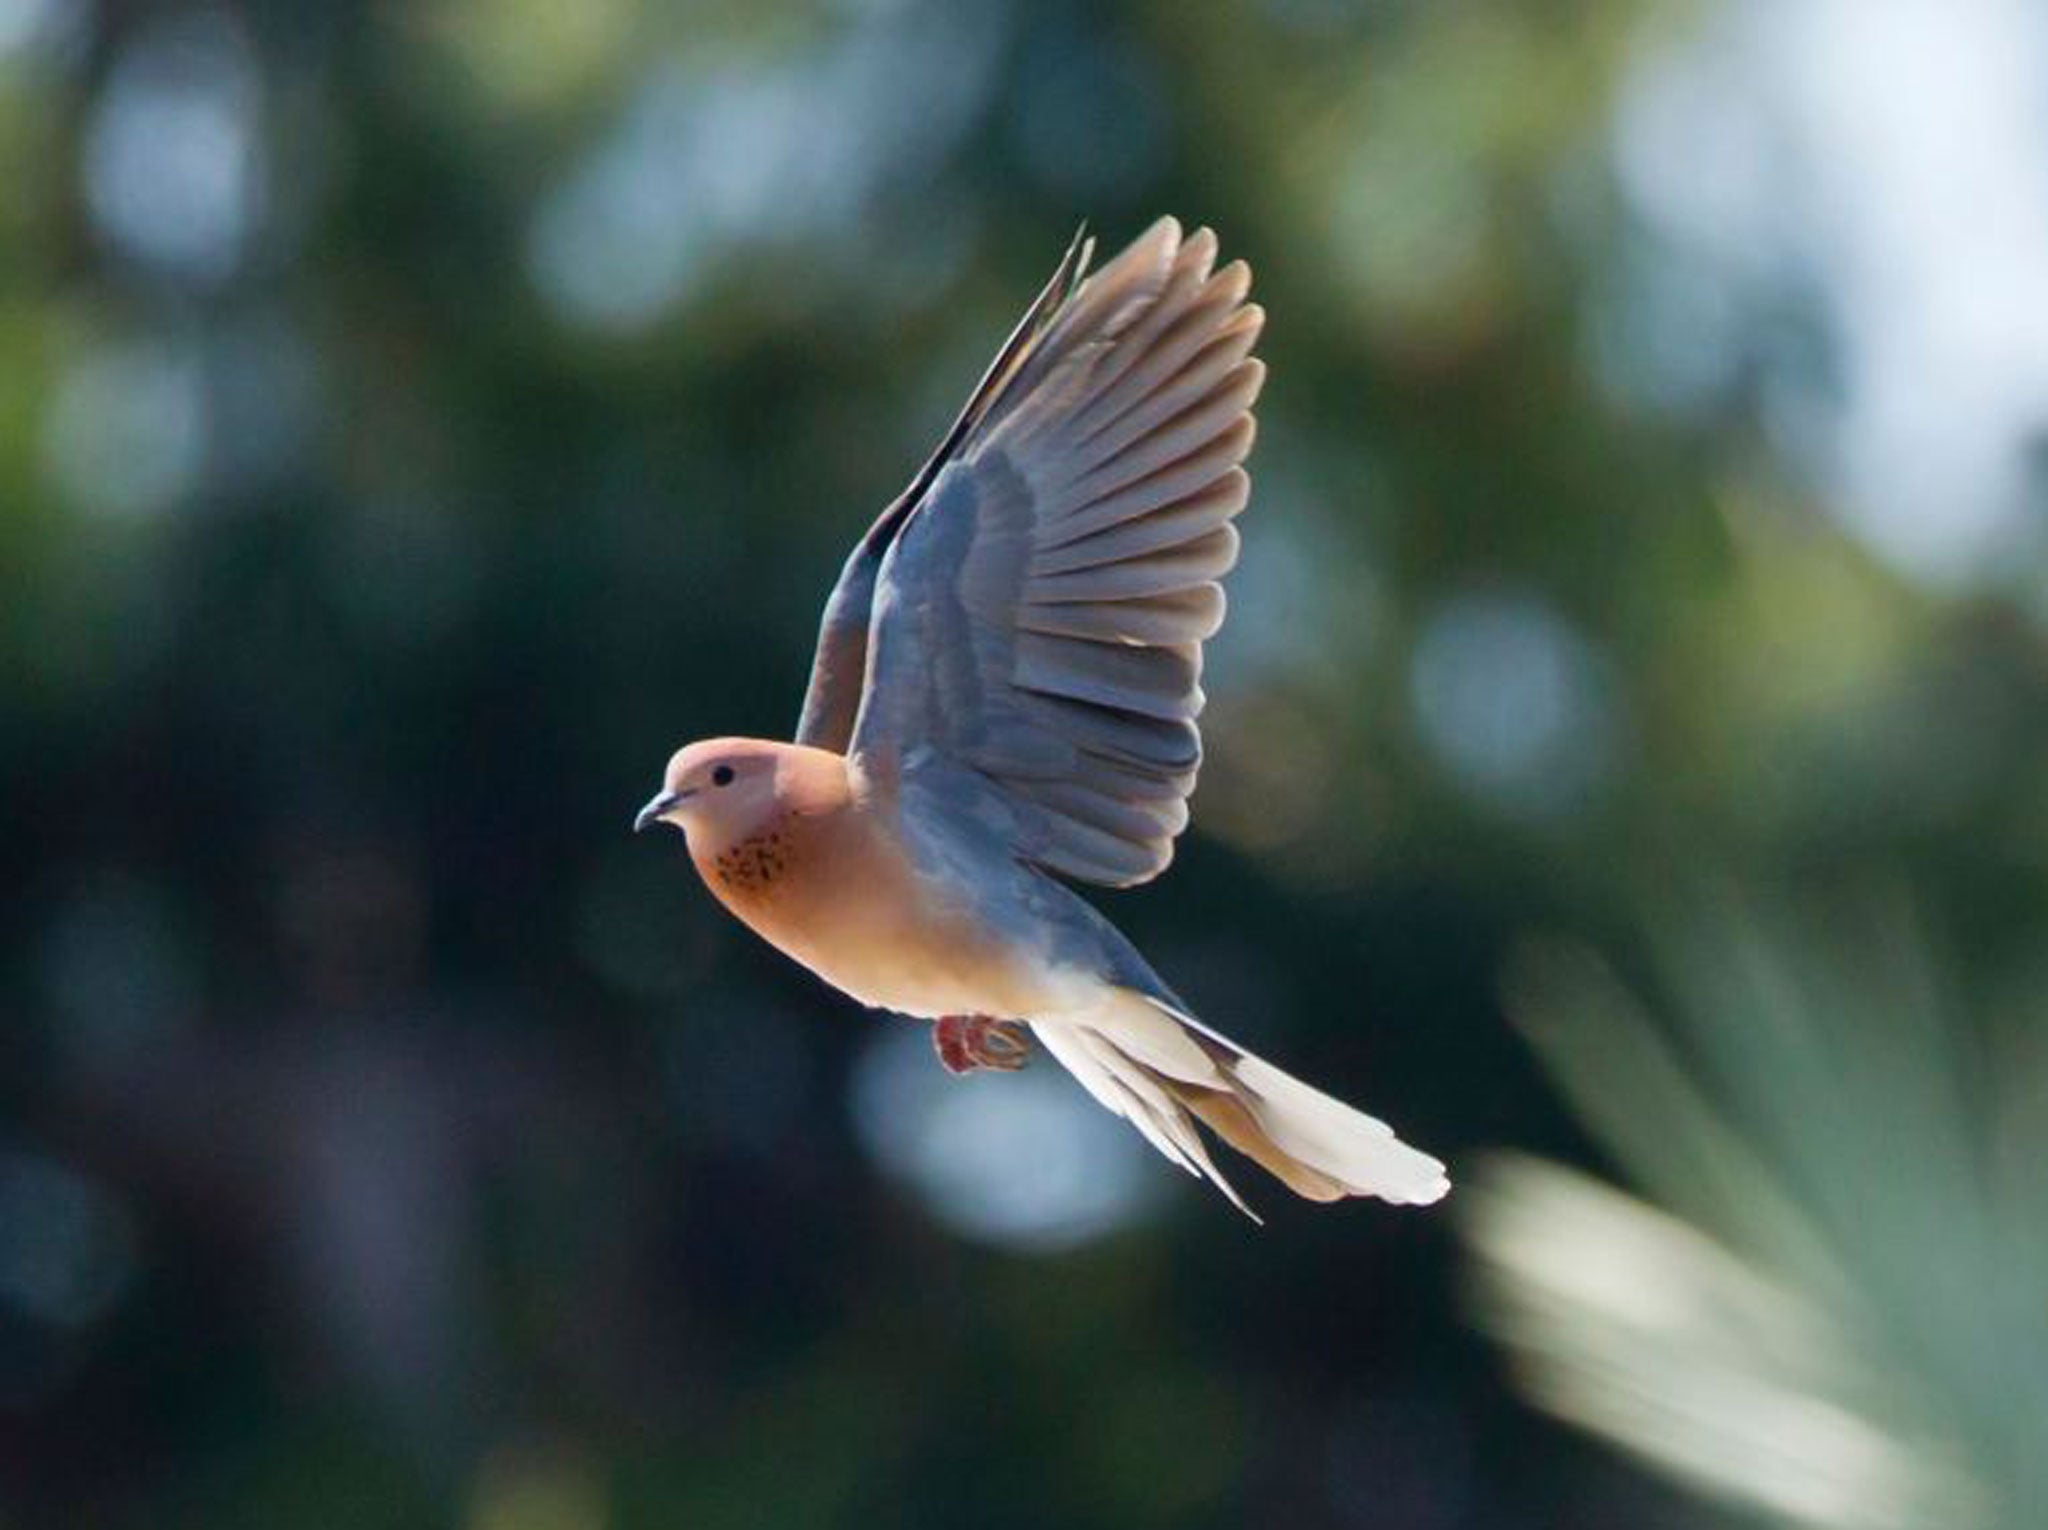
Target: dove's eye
<point x="722" y="776"/>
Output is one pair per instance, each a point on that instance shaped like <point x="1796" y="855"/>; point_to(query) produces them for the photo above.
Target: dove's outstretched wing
<point x="839" y="666"/>
<point x="1039" y="609"/>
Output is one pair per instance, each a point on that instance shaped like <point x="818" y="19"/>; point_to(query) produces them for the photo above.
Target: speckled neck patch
<point x="754" y="863"/>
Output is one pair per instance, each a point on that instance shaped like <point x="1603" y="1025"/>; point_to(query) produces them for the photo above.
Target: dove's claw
<point x="969" y="1043"/>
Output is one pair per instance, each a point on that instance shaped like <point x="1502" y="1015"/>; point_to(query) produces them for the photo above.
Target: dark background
<point x="417" y="419"/>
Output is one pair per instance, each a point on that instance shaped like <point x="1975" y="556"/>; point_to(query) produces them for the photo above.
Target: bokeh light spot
<point x="126" y="430"/>
<point x="1513" y="703"/>
<point x="1022" y="1160"/>
<point x="173" y="154"/>
<point x="715" y="157"/>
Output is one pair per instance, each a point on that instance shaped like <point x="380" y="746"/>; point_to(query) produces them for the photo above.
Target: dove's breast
<point x="835" y="891"/>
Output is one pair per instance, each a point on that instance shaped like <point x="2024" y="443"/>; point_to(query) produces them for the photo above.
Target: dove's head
<point x="727" y="786"/>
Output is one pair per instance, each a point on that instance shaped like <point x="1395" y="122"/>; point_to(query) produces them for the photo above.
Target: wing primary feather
<point x="1180" y="439"/>
<point x="1100" y="370"/>
<point x="1177" y="616"/>
<point x="1230" y="447"/>
<point x="1230" y="344"/>
<point x="1186" y="319"/>
<point x="1103" y="307"/>
<point x="1197" y="561"/>
<point x="1153" y="682"/>
<point x="1074" y="544"/>
<point x="1141" y="742"/>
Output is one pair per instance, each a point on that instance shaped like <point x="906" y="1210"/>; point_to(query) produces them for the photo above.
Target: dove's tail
<point x="1163" y="1070"/>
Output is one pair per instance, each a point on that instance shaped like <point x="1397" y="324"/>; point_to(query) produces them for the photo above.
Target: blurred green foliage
<point x="417" y="419"/>
<point x="1844" y="1330"/>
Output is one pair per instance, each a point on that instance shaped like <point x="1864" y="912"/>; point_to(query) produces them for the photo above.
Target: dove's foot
<point x="968" y="1043"/>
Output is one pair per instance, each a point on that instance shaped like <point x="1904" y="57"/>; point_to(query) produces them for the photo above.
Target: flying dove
<point x="1004" y="693"/>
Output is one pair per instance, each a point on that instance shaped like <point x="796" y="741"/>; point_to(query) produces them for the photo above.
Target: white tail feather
<point x="1160" y="1069"/>
<point x="1351" y="1147"/>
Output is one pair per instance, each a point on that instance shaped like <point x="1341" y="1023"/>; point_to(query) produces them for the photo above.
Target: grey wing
<point x="1037" y="622"/>
<point x="839" y="665"/>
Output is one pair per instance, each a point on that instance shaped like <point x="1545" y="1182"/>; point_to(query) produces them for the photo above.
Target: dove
<point x="1004" y="698"/>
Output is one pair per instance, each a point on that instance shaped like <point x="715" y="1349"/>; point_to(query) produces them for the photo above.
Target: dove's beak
<point x="658" y="809"/>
